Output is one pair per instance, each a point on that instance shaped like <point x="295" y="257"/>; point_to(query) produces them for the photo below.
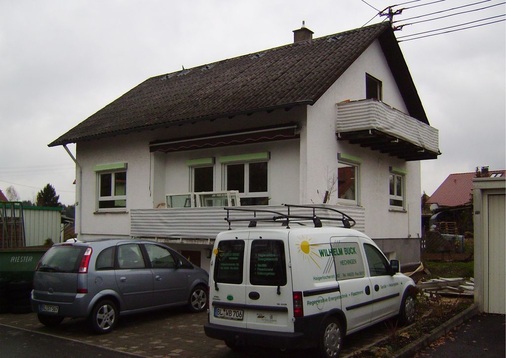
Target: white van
<point x="298" y="286"/>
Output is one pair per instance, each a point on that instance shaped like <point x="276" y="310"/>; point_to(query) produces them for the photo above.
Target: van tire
<point x="235" y="346"/>
<point x="407" y="311"/>
<point x="49" y="321"/>
<point x="330" y="338"/>
<point x="104" y="316"/>
<point x="197" y="302"/>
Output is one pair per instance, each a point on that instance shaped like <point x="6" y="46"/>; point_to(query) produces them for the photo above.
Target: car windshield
<point x="61" y="259"/>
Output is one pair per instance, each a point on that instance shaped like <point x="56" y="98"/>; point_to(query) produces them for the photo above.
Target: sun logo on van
<point x="306" y="249"/>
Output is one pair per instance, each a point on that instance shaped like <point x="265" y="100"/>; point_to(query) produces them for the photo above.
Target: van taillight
<point x="85" y="261"/>
<point x="298" y="310"/>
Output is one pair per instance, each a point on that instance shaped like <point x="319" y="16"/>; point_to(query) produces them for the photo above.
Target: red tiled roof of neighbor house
<point x="3" y="197"/>
<point x="457" y="189"/>
<point x="296" y="74"/>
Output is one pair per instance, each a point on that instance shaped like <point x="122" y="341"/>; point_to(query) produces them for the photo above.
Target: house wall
<point x="300" y="171"/>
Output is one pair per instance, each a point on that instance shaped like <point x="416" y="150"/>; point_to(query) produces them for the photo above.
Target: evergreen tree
<point x="48" y="197"/>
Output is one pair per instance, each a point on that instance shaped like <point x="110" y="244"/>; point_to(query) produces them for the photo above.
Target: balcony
<point x="200" y="225"/>
<point x="373" y="124"/>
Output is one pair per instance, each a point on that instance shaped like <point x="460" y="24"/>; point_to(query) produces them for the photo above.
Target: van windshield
<point x="229" y="262"/>
<point x="61" y="259"/>
<point x="267" y="265"/>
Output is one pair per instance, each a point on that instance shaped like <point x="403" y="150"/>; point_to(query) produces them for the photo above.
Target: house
<point x="451" y="205"/>
<point x="334" y="120"/>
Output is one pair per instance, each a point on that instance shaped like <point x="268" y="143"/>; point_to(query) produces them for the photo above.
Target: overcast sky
<point x="61" y="61"/>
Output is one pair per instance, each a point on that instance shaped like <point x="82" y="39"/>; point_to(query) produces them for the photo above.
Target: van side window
<point x="267" y="264"/>
<point x="229" y="262"/>
<point x="347" y="260"/>
<point x="378" y="264"/>
<point x="105" y="260"/>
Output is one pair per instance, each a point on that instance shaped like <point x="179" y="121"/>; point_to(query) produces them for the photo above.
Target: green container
<point x="19" y="264"/>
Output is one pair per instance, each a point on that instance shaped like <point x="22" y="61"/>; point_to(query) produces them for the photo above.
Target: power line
<point x="446" y="32"/>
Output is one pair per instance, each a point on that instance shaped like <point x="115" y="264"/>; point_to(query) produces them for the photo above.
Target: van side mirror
<point x="395" y="266"/>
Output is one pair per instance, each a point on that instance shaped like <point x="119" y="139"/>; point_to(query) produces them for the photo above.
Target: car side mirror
<point x="179" y="264"/>
<point x="395" y="266"/>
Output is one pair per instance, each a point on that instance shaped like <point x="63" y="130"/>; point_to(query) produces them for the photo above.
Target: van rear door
<point x="269" y="298"/>
<point x="228" y="280"/>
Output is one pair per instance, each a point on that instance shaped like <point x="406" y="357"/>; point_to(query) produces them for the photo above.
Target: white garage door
<point x="496" y="251"/>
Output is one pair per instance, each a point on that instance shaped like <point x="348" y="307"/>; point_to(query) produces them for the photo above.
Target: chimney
<point x="484" y="171"/>
<point x="302" y="34"/>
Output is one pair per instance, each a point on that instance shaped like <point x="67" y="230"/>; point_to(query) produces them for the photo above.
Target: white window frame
<point x="354" y="162"/>
<point x="246" y="160"/>
<point x="395" y="196"/>
<point x="113" y="170"/>
<point x="197" y="164"/>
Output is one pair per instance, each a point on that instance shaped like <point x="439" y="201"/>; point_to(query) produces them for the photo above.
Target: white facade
<point x="300" y="170"/>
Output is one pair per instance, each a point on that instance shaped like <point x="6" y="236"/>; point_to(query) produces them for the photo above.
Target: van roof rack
<point x="301" y="213"/>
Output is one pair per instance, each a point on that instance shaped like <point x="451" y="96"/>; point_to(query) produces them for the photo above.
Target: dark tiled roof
<point x="457" y="189"/>
<point x="282" y="77"/>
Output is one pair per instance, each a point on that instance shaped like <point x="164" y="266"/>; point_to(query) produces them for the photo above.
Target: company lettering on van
<point x="338" y="251"/>
<point x="21" y="259"/>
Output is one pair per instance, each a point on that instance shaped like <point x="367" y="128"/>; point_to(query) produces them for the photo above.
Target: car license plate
<point x="49" y="308"/>
<point x="229" y="313"/>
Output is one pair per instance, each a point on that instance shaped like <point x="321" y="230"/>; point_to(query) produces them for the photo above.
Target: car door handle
<point x="254" y="295"/>
<point x="158" y="277"/>
<point x="376" y="288"/>
<point x="122" y="279"/>
<point x="367" y="290"/>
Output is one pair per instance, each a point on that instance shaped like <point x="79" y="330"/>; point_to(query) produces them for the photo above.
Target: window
<point x="160" y="257"/>
<point x="112" y="190"/>
<point x="373" y="88"/>
<point x="396" y="190"/>
<point x="202" y="178"/>
<point x="267" y="265"/>
<point x="378" y="264"/>
<point x="229" y="262"/>
<point x="347" y="181"/>
<point x="250" y="179"/>
<point x="130" y="257"/>
<point x="347" y="260"/>
<point x="105" y="260"/>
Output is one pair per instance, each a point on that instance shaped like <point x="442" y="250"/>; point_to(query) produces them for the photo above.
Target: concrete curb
<point x="428" y="338"/>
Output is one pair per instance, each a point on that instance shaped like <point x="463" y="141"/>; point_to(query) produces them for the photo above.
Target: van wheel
<point x="104" y="316"/>
<point x="49" y="321"/>
<point x="407" y="312"/>
<point x="198" y="299"/>
<point x="331" y="338"/>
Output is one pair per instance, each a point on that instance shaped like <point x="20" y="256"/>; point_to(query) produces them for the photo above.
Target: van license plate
<point x="49" y="308"/>
<point x="229" y="313"/>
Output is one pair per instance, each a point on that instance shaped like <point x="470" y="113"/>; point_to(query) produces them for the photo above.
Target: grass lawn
<point x="464" y="269"/>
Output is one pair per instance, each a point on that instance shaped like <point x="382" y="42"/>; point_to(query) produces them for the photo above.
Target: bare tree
<point x="12" y="194"/>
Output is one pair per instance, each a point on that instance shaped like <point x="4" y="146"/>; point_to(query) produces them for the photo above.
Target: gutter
<point x="79" y="190"/>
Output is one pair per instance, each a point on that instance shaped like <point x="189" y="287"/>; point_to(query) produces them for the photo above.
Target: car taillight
<point x="85" y="261"/>
<point x="298" y="310"/>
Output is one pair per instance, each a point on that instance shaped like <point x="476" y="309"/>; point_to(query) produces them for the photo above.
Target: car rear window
<point x="62" y="259"/>
<point x="267" y="264"/>
<point x="229" y="262"/>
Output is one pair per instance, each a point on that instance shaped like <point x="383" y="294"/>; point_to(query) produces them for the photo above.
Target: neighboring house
<point x="452" y="202"/>
<point x="3" y="197"/>
<point x="334" y="120"/>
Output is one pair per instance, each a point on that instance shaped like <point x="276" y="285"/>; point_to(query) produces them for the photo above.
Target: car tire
<point x="197" y="302"/>
<point x="104" y="316"/>
<point x="235" y="346"/>
<point x="330" y="338"/>
<point x="49" y="321"/>
<point x="407" y="312"/>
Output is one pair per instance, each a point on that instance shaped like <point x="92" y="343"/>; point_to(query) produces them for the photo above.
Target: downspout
<point x="79" y="189"/>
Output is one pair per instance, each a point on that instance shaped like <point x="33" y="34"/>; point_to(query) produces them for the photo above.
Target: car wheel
<point x="408" y="309"/>
<point x="49" y="321"/>
<point x="198" y="299"/>
<point x="235" y="346"/>
<point x="104" y="316"/>
<point x="331" y="338"/>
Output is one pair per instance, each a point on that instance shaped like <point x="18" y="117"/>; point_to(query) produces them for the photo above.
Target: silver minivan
<point x="102" y="279"/>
